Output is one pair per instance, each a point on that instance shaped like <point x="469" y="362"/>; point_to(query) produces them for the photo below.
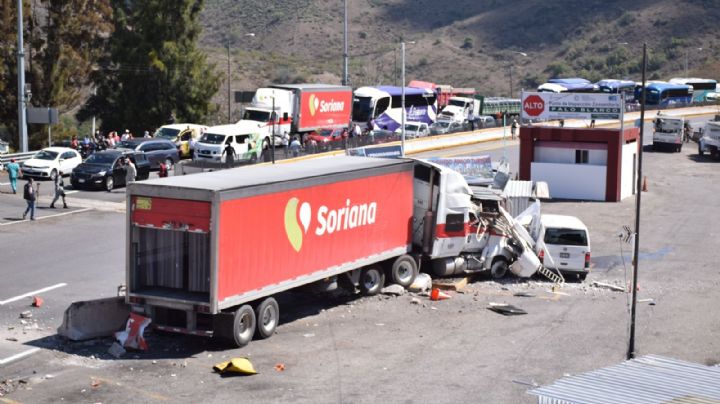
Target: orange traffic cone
<point x="436" y="294"/>
<point x="644" y="187"/>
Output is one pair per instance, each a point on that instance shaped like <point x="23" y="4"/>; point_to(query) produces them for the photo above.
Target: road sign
<point x="42" y="115"/>
<point x="533" y="105"/>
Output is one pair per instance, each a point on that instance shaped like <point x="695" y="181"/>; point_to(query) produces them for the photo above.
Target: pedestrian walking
<point x="13" y="170"/>
<point x="562" y="123"/>
<point x="471" y="120"/>
<point x="59" y="191"/>
<point x="513" y="128"/>
<point x="30" y="196"/>
<point x="229" y="154"/>
<point x="130" y="171"/>
<point x="295" y="147"/>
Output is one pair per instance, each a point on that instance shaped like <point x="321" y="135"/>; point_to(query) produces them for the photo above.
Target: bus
<point x="701" y="87"/>
<point x="666" y="94"/>
<point x="624" y="87"/>
<point x="570" y="85"/>
<point x="382" y="106"/>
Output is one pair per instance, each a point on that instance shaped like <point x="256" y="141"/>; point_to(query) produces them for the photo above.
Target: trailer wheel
<point x="244" y="325"/>
<point x="372" y="280"/>
<point x="267" y="314"/>
<point x="499" y="268"/>
<point x="403" y="271"/>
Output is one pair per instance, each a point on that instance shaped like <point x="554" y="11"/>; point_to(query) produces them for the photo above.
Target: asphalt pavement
<point x="351" y="349"/>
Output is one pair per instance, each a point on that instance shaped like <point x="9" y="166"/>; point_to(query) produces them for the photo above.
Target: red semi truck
<point x="206" y="253"/>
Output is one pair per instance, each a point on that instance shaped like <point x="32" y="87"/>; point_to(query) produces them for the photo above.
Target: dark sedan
<point x="104" y="170"/>
<point x="156" y="150"/>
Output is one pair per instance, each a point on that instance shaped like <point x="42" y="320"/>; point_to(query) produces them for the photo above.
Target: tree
<point x="153" y="69"/>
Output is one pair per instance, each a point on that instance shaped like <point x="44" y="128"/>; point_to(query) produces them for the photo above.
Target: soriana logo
<point x="317" y="105"/>
<point x="328" y="220"/>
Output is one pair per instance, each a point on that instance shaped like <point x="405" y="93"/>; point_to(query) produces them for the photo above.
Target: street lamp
<point x="21" y="95"/>
<point x="402" y="99"/>
<point x="251" y="34"/>
<point x="523" y="54"/>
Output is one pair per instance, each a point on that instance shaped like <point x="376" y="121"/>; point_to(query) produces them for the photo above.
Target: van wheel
<point x="267" y="315"/>
<point x="372" y="280"/>
<point x="243" y="325"/>
<point x="499" y="268"/>
<point x="403" y="271"/>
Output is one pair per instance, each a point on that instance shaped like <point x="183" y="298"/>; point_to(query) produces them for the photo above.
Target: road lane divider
<point x="33" y="293"/>
<point x="18" y="356"/>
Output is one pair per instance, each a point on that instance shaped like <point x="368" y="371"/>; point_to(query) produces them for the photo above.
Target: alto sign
<point x="587" y="106"/>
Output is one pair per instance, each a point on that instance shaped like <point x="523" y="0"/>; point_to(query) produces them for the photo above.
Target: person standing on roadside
<point x="130" y="171"/>
<point x="13" y="170"/>
<point x="59" y="191"/>
<point x="513" y="128"/>
<point x="471" y="119"/>
<point x="30" y="196"/>
<point x="229" y="154"/>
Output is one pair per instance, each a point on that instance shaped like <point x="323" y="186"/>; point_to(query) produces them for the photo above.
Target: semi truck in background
<point x="207" y="253"/>
<point x="298" y="109"/>
<point x="443" y="91"/>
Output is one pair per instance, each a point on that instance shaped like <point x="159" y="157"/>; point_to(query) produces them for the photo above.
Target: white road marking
<point x="48" y="217"/>
<point x="71" y="192"/>
<point x="17" y="356"/>
<point x="34" y="292"/>
<point x="4" y="183"/>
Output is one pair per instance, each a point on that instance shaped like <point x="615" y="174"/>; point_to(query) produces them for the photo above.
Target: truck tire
<point x="499" y="268"/>
<point x="267" y="314"/>
<point x="372" y="280"/>
<point x="403" y="271"/>
<point x="244" y="325"/>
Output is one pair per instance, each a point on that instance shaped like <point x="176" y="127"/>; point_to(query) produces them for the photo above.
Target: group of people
<point x="30" y="189"/>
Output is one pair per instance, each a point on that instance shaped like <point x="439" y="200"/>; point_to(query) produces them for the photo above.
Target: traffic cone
<point x="436" y="294"/>
<point x="644" y="187"/>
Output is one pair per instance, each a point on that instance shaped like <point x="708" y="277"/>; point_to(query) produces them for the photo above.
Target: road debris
<point x="116" y="350"/>
<point x="95" y="383"/>
<point x="393" y="290"/>
<point x="422" y="283"/>
<point x="308" y="335"/>
<point x="415" y="300"/>
<point x="608" y="286"/>
<point x="26" y="314"/>
<point x="132" y="337"/>
<point x="451" y="284"/>
<point x="236" y="365"/>
<point x="505" y="309"/>
<point x="524" y="294"/>
<point x="280" y="367"/>
<point x="37" y="301"/>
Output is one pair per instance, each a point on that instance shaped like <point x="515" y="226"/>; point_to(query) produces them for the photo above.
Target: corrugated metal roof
<point x="646" y="380"/>
<point x="518" y="189"/>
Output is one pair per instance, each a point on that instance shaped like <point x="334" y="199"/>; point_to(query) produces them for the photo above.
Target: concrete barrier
<point x="94" y="318"/>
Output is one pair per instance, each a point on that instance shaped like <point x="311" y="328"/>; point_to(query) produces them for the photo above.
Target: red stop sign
<point x="534" y="105"/>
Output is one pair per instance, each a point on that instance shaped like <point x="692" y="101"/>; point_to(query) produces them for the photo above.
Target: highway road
<point x="365" y="349"/>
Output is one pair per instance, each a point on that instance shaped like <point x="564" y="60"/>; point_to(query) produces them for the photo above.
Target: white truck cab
<point x="459" y="108"/>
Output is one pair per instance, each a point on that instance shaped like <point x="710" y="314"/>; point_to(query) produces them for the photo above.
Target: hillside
<point x="472" y="43"/>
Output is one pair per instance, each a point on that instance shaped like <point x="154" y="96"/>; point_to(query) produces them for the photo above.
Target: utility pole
<point x="22" y="102"/>
<point x="511" y="89"/>
<point x="228" y="78"/>
<point x="638" y="193"/>
<point x="345" y="45"/>
<point x="402" y="101"/>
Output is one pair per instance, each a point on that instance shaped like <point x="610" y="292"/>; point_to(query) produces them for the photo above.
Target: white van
<point x="563" y="244"/>
<point x="211" y="145"/>
<point x="415" y="129"/>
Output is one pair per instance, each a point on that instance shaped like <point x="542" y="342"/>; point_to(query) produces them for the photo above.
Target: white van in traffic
<point x="563" y="244"/>
<point x="211" y="145"/>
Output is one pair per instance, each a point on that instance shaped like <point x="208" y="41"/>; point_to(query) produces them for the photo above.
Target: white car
<point x="51" y="161"/>
<point x="415" y="129"/>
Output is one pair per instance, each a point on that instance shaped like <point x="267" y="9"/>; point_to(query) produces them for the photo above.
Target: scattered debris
<point x="37" y="301"/>
<point x="608" y="286"/>
<point x="506" y="309"/>
<point x="49" y="377"/>
<point x="524" y="294"/>
<point x="422" y="283"/>
<point x="132" y="337"/>
<point x="280" y="367"/>
<point x="26" y="314"/>
<point x="308" y="335"/>
<point x="646" y="300"/>
<point x="393" y="290"/>
<point x="95" y="383"/>
<point x="11" y="339"/>
<point x="236" y="365"/>
<point x="116" y="350"/>
<point x="436" y="294"/>
<point x="451" y="284"/>
<point x="415" y="300"/>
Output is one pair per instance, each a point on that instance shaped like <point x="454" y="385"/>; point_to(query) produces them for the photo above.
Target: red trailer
<point x="207" y="252"/>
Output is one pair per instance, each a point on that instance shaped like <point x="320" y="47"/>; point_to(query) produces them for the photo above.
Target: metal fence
<point x="19" y="157"/>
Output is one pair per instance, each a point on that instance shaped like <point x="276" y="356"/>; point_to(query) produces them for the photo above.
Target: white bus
<point x="382" y="106"/>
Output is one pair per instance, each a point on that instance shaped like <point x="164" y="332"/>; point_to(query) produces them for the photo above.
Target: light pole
<point x="402" y="98"/>
<point x="251" y="34"/>
<point x="687" y="55"/>
<point x="22" y="100"/>
<point x="510" y="69"/>
<point x="345" y="45"/>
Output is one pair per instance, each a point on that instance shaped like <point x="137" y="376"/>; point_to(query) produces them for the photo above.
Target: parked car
<point x="328" y="139"/>
<point x="414" y="129"/>
<point x="244" y="141"/>
<point x="485" y="121"/>
<point x="382" y="136"/>
<point x="103" y="169"/>
<point x="181" y="135"/>
<point x="444" y="127"/>
<point x="51" y="161"/>
<point x="563" y="245"/>
<point x="156" y="151"/>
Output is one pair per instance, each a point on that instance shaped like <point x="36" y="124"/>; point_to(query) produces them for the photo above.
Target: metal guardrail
<point x="19" y="157"/>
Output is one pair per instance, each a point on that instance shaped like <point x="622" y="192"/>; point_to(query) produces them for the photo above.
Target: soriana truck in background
<point x="207" y="252"/>
<point x="299" y="109"/>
